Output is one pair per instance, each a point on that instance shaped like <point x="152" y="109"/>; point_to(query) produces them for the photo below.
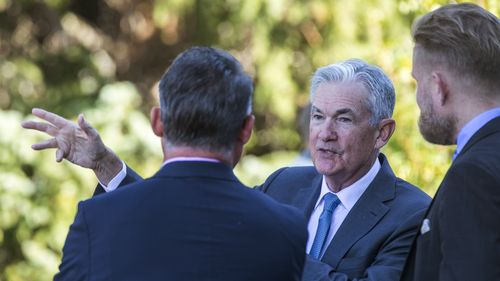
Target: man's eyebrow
<point x="315" y="109"/>
<point x="338" y="112"/>
<point x="343" y="111"/>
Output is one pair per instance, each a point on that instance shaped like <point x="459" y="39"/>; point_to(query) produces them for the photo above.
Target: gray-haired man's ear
<point x="386" y="128"/>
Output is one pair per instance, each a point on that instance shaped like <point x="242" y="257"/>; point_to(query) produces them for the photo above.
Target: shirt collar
<point x="473" y="126"/>
<point x="349" y="195"/>
<point x="183" y="159"/>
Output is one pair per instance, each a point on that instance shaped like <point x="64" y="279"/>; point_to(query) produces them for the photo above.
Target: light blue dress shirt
<point x="473" y="126"/>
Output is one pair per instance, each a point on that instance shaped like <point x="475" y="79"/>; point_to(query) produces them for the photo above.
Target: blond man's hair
<point x="465" y="37"/>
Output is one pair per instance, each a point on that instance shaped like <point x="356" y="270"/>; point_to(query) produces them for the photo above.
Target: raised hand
<point x="79" y="143"/>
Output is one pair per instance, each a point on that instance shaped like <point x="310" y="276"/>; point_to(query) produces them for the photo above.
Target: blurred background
<point x="104" y="58"/>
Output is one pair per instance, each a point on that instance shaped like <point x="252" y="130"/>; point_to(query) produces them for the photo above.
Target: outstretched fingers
<point x="51" y="143"/>
<point x="40" y="126"/>
<point x="53" y="118"/>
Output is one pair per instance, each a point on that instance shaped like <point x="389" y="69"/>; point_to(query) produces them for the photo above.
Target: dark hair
<point x="205" y="97"/>
<point x="465" y="36"/>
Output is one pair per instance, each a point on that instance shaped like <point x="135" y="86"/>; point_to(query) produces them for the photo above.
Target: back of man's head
<point x="465" y="38"/>
<point x="205" y="97"/>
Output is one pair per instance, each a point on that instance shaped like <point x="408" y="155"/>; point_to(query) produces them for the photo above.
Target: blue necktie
<point x="331" y="201"/>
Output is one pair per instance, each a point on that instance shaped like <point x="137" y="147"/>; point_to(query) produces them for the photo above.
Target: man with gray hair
<point x="362" y="218"/>
<point x="456" y="63"/>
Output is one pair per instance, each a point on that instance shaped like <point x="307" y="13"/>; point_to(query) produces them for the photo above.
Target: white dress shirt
<point x="347" y="196"/>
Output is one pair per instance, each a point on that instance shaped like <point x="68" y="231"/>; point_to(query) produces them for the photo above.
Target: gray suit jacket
<point x="373" y="241"/>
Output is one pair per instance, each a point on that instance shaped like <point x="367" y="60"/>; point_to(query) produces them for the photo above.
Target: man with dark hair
<point x="456" y="63"/>
<point x="193" y="220"/>
<point x="362" y="218"/>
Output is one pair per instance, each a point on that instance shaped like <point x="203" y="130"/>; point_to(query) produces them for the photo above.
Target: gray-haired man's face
<point x="341" y="139"/>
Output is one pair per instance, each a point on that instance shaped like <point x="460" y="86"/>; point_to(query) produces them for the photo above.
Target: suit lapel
<point x="364" y="215"/>
<point x="306" y="197"/>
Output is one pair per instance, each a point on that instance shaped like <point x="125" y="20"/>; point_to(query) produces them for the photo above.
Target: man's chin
<point x="436" y="134"/>
<point x="325" y="170"/>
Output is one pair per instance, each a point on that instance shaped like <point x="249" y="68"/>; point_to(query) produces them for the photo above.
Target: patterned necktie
<point x="331" y="201"/>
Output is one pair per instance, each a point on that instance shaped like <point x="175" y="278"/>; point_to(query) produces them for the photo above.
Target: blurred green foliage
<point x="104" y="57"/>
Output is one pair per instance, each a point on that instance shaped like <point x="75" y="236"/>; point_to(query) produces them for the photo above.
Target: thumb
<point x="59" y="155"/>
<point x="87" y="128"/>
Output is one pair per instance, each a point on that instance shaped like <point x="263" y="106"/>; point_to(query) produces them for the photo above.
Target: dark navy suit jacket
<point x="461" y="239"/>
<point x="374" y="240"/>
<point x="190" y="221"/>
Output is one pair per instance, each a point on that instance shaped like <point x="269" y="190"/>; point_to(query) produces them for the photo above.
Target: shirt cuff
<point x="115" y="182"/>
